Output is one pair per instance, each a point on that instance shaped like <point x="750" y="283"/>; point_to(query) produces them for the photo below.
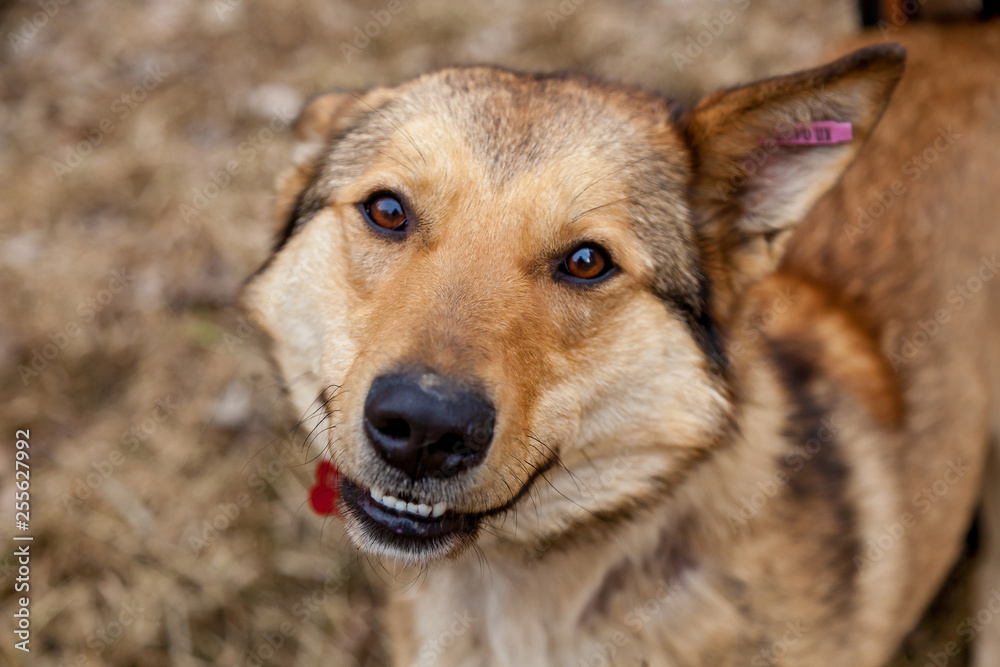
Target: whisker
<point x="327" y="415"/>
<point x="562" y="465"/>
<point x="484" y="562"/>
<point x="284" y="435"/>
<point x="381" y="566"/>
<point x="531" y="490"/>
<point x="610" y="174"/>
<point x="549" y="482"/>
<point x="282" y="388"/>
<point x="313" y="435"/>
<point x="319" y="424"/>
<point x="405" y="134"/>
<point x="512" y="496"/>
<point x="422" y="573"/>
<point x="407" y="167"/>
<point x="612" y="203"/>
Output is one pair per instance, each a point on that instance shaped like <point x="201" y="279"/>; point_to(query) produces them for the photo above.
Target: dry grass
<point x="116" y="577"/>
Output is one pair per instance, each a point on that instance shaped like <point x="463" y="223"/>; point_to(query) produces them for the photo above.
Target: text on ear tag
<point x="819" y="133"/>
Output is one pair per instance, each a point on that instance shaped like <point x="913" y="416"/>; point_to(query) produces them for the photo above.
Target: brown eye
<point x="385" y="212"/>
<point x="587" y="264"/>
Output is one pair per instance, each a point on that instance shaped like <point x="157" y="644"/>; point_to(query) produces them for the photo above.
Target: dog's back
<point x="909" y="244"/>
<point x="917" y="214"/>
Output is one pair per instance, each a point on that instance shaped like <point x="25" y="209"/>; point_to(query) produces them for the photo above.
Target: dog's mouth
<point x="401" y="526"/>
<point x="401" y="522"/>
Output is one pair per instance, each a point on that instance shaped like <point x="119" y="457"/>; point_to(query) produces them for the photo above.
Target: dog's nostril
<point x="450" y="443"/>
<point x="397" y="429"/>
<point x="425" y="432"/>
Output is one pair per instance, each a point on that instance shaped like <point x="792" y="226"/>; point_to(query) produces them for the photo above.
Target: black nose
<point x="426" y="425"/>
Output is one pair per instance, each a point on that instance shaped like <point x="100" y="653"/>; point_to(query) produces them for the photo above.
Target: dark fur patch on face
<point x="663" y="221"/>
<point x="818" y="480"/>
<point x="306" y="206"/>
<point x="694" y="309"/>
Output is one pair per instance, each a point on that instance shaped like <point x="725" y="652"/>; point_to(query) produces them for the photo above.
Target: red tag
<point x="323" y="496"/>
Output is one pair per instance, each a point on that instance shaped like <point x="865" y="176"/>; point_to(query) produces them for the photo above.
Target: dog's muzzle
<point x="426" y="428"/>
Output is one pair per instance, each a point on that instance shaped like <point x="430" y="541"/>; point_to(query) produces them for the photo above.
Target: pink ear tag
<point x="819" y="133"/>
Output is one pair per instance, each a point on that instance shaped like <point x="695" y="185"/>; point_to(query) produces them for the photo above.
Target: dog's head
<point x="508" y="290"/>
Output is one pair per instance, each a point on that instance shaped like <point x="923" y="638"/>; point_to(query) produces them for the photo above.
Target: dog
<point x="629" y="383"/>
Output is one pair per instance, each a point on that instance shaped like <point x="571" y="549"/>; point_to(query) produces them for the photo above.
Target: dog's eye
<point x="384" y="211"/>
<point x="587" y="263"/>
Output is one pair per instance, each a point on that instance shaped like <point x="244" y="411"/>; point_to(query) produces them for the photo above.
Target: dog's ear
<point x="765" y="153"/>
<point x="320" y="120"/>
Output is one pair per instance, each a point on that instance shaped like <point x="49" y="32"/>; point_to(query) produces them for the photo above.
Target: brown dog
<point x="685" y="414"/>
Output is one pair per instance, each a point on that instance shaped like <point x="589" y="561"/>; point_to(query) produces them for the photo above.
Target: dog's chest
<point x="472" y="616"/>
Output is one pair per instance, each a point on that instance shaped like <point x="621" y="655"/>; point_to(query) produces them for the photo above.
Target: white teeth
<point x="420" y="509"/>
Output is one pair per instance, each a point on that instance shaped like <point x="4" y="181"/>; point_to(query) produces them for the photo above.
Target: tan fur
<point x="645" y="501"/>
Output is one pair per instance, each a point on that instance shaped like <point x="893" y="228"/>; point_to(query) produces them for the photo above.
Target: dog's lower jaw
<point x="398" y="535"/>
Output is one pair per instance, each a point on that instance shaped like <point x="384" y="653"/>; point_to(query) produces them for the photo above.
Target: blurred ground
<point x="167" y="501"/>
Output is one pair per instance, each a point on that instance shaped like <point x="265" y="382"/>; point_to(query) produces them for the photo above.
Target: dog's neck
<point x="579" y="600"/>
